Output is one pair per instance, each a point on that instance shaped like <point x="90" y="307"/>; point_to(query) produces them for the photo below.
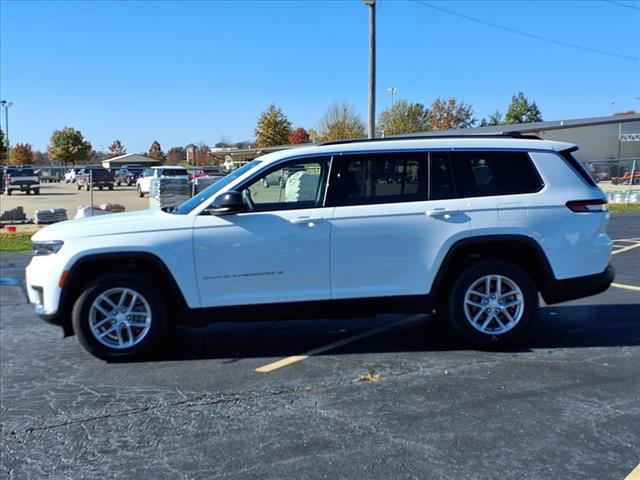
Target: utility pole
<point x="372" y="66"/>
<point x="6" y="106"/>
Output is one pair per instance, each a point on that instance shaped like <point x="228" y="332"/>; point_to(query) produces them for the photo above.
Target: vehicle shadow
<point x="556" y="327"/>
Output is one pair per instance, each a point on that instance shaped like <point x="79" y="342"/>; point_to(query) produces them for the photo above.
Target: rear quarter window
<point x="484" y="174"/>
<point x="578" y="168"/>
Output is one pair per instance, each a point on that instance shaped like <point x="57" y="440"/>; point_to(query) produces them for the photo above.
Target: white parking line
<point x="621" y="249"/>
<point x="626" y="287"/>
<point x="635" y="474"/>
<point x="270" y="367"/>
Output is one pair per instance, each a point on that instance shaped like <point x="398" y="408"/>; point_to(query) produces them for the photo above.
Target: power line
<point x="525" y="34"/>
<point x="620" y="4"/>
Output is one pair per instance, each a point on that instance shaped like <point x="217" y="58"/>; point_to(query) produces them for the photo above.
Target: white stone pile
<point x="168" y="192"/>
<point x="301" y="187"/>
<point x="51" y="215"/>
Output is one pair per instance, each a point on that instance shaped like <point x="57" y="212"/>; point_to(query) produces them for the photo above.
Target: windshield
<point x="210" y="191"/>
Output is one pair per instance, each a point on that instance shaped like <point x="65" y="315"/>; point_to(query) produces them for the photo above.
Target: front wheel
<point x="140" y="194"/>
<point x="120" y="316"/>
<point x="492" y="303"/>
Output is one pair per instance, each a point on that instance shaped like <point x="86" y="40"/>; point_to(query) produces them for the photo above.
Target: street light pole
<point x="372" y="66"/>
<point x="6" y="106"/>
<point x="392" y="91"/>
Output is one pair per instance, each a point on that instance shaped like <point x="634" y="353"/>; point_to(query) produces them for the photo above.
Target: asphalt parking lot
<point x="390" y="397"/>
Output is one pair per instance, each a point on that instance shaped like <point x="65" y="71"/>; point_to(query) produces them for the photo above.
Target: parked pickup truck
<point x="21" y="178"/>
<point x="100" y="177"/>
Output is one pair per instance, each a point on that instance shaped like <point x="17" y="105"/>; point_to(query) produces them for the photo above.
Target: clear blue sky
<point x="183" y="72"/>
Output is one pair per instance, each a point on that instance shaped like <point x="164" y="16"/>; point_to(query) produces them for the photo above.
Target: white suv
<point x="143" y="183"/>
<point x="472" y="227"/>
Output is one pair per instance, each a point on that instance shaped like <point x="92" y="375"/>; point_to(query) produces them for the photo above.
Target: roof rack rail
<point x="508" y="134"/>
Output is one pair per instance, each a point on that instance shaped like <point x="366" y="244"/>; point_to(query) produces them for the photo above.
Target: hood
<point x="112" y="223"/>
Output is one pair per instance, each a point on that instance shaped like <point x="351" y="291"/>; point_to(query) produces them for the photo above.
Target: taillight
<point x="588" y="206"/>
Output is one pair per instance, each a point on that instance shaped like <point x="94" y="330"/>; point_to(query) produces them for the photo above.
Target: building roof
<point x="131" y="158"/>
<point x="538" y="126"/>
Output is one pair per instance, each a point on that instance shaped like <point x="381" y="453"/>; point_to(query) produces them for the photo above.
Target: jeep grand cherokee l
<point x="473" y="227"/>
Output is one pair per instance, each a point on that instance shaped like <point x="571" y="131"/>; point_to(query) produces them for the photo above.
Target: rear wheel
<point x="79" y="187"/>
<point x="110" y="187"/>
<point x="8" y="191"/>
<point x="120" y="316"/>
<point x="492" y="303"/>
<point x="36" y="191"/>
<point x="86" y="187"/>
<point x="140" y="194"/>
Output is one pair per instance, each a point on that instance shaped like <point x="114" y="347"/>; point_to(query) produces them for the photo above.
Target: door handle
<point x="306" y="220"/>
<point x="442" y="212"/>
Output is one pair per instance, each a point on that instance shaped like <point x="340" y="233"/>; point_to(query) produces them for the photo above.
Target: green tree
<point x="403" y="117"/>
<point x="116" y="149"/>
<point x="69" y="146"/>
<point x="155" y="151"/>
<point x="3" y="148"/>
<point x="273" y="128"/>
<point x="22" y="154"/>
<point x="449" y="114"/>
<point x="339" y="122"/>
<point x="494" y="119"/>
<point x="521" y="111"/>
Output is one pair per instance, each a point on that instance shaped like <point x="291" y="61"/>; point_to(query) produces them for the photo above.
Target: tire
<point x="118" y="184"/>
<point x="86" y="187"/>
<point x="110" y="187"/>
<point x="27" y="192"/>
<point x="8" y="191"/>
<point x="140" y="194"/>
<point x="36" y="191"/>
<point x="461" y="314"/>
<point x="79" y="187"/>
<point x="146" y="337"/>
<point x="100" y="188"/>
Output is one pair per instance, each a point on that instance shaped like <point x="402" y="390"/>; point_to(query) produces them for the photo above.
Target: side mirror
<point x="230" y="202"/>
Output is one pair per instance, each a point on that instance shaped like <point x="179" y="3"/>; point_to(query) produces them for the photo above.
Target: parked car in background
<point x="23" y="179"/>
<point x="98" y="176"/>
<point x="143" y="184"/>
<point x="128" y="174"/>
<point x="70" y="175"/>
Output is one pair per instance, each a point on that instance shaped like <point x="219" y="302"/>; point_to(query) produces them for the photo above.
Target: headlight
<point x="47" y="247"/>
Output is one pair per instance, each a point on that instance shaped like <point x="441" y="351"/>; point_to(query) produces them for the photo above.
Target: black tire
<point x="79" y="187"/>
<point x="27" y="192"/>
<point x="100" y="188"/>
<point x="8" y="191"/>
<point x="149" y="344"/>
<point x="140" y="194"/>
<point x="110" y="187"/>
<point x="457" y="315"/>
<point x="36" y="191"/>
<point x="118" y="183"/>
<point x="86" y="187"/>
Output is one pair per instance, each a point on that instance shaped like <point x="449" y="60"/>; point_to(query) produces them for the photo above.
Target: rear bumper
<point x="571" y="288"/>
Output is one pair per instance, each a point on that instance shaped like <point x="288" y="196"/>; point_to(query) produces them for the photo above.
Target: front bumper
<point x="571" y="288"/>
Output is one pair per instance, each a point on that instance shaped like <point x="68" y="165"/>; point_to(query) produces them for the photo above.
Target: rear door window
<point x="483" y="174"/>
<point x="373" y="178"/>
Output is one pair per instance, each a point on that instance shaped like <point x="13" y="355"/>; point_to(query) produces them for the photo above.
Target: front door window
<point x="295" y="185"/>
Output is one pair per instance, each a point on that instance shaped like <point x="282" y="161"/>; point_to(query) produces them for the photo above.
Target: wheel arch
<point x="520" y="250"/>
<point x="146" y="264"/>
